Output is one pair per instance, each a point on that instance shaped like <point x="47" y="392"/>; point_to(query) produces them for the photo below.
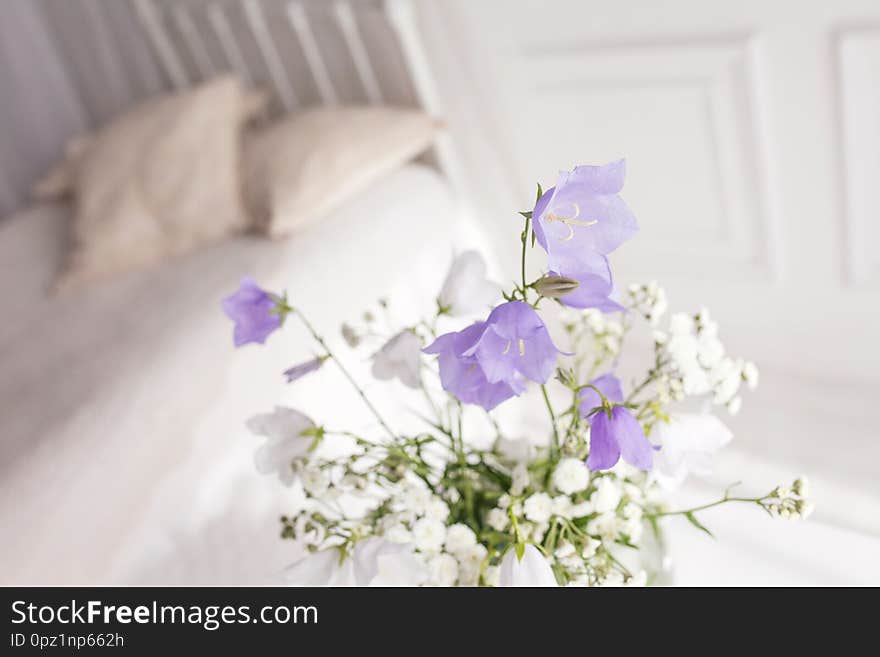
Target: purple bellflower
<point x="302" y="369"/>
<point x="462" y="375"/>
<point x="583" y="213"/>
<point x="615" y="435"/>
<point x="515" y="343"/>
<point x="595" y="285"/>
<point x="254" y="312"/>
<point x="610" y="387"/>
<point x="614" y="432"/>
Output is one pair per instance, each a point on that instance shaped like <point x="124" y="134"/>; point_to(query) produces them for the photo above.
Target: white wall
<point x="752" y="133"/>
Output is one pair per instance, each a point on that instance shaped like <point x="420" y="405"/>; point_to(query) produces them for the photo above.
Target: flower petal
<point x="634" y="446"/>
<point x="604" y="452"/>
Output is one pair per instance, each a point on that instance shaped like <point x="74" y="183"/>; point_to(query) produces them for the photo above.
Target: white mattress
<point x="120" y="405"/>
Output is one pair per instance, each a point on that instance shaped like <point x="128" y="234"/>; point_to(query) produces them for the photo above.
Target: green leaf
<point x="540" y="193"/>
<point x="696" y="523"/>
<point x="520" y="549"/>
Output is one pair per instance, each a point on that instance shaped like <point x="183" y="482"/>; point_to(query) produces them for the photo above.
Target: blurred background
<point x="752" y="137"/>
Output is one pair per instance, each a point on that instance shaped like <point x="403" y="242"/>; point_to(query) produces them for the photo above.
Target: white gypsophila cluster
<point x="595" y="333"/>
<point x="698" y="363"/>
<point x="790" y="502"/>
<point x="582" y="518"/>
<point x="451" y="554"/>
<point x="649" y="300"/>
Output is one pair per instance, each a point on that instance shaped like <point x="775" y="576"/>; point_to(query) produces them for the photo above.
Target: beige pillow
<point x="158" y="181"/>
<point x="302" y="167"/>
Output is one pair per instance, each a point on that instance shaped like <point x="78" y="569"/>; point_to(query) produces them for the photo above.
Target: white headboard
<point x="66" y="66"/>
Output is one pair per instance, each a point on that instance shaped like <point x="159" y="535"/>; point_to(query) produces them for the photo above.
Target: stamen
<point x="506" y="349"/>
<point x="522" y="347"/>
<point x="570" y="221"/>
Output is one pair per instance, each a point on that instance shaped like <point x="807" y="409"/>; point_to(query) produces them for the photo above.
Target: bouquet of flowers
<point x="431" y="507"/>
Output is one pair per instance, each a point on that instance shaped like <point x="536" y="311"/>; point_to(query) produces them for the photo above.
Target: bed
<point x="124" y="457"/>
<point x="107" y="393"/>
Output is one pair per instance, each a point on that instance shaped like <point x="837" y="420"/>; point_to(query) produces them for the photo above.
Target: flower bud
<point x="800" y="487"/>
<point x="556" y="286"/>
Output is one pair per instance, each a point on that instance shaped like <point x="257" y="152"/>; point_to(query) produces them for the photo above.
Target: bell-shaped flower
<point x="583" y="213"/>
<point x="287" y="439"/>
<point x="595" y="283"/>
<point x="689" y="441"/>
<point x="462" y="375"/>
<point x="466" y="289"/>
<point x="373" y="562"/>
<point x="615" y="434"/>
<point x="300" y="370"/>
<point x="255" y="312"/>
<point x="515" y="343"/>
<point x="321" y="568"/>
<point x="378" y="562"/>
<point x="399" y="358"/>
<point x="532" y="570"/>
<point x="608" y="384"/>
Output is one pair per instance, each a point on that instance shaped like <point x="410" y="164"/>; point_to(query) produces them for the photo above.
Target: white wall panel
<point x="692" y="98"/>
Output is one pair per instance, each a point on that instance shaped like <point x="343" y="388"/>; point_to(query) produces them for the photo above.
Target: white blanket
<point x="113" y="400"/>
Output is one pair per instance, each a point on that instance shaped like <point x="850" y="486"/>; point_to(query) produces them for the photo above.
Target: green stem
<point x="320" y="340"/>
<point x="554" y="447"/>
<point x="703" y="507"/>
<point x="525" y="240"/>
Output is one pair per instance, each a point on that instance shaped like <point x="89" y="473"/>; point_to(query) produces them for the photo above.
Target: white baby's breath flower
<point x="633" y="528"/>
<point x="537" y="531"/>
<point x="607" y="495"/>
<point x="571" y="476"/>
<point x="469" y="563"/>
<point x="580" y="510"/>
<point x="398" y="533"/>
<point x="750" y="375"/>
<point x="711" y="351"/>
<point x="538" y="507"/>
<point x="443" y="569"/>
<point x="564" y="551"/>
<point x="681" y="324"/>
<point x="632" y="511"/>
<point x="416" y="498"/>
<point x="504" y="501"/>
<point x="437" y="510"/>
<point x="492" y="575"/>
<point x="606" y="526"/>
<point x="801" y="486"/>
<point x="314" y="481"/>
<point x="589" y="548"/>
<point x="632" y="492"/>
<point x="519" y="479"/>
<point x="497" y="519"/>
<point x="562" y="506"/>
<point x="459" y="538"/>
<point x="734" y="405"/>
<point x="428" y="535"/>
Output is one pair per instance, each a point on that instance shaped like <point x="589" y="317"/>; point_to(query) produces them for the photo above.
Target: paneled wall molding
<point x="701" y="94"/>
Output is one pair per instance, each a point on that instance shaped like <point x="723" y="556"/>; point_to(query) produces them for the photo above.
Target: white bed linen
<point x="121" y="407"/>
